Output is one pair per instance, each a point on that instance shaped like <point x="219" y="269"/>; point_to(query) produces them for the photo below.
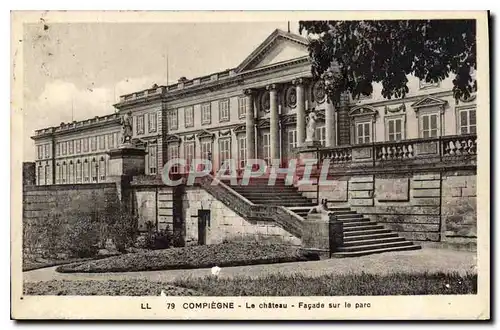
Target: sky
<point x="77" y="71"/>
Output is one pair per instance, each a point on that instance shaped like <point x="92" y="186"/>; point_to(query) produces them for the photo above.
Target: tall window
<point x="86" y="171"/>
<point x="111" y="140"/>
<point x="321" y="134"/>
<point x="467" y="121"/>
<point x="78" y="146"/>
<point x="64" y="148"/>
<point x="172" y="119"/>
<point x="139" y="124"/>
<point x="242" y="107"/>
<point x="188" y="116"/>
<point x="102" y="142"/>
<point x="363" y="132"/>
<point x="224" y="110"/>
<point x="39" y="175"/>
<point x="242" y="151"/>
<point x="206" y="113"/>
<point x="224" y="150"/>
<point x="102" y="169"/>
<point x="206" y="149"/>
<point x="292" y="140"/>
<point x="266" y="147"/>
<point x="58" y="173"/>
<point x="71" y="145"/>
<point x="48" y="174"/>
<point x="85" y="145"/>
<point x="93" y="170"/>
<point x="394" y="127"/>
<point x="173" y="152"/>
<point x="116" y="138"/>
<point x="39" y="151"/>
<point x="78" y="171"/>
<point x="64" y="173"/>
<point x="430" y="125"/>
<point x="153" y="159"/>
<point x="58" y="149"/>
<point x="152" y="125"/>
<point x="189" y="153"/>
<point x="93" y="143"/>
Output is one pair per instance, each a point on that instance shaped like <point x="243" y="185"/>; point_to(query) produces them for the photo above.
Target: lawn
<point x="43" y="263"/>
<point x="204" y="256"/>
<point x="272" y="285"/>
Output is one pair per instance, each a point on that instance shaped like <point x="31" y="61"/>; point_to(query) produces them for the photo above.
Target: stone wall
<point x="226" y="225"/>
<point x="420" y="206"/>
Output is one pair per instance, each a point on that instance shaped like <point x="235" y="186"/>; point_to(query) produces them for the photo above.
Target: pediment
<point x="429" y="101"/>
<point x="363" y="110"/>
<point x="279" y="47"/>
<point x="264" y="123"/>
<point x="206" y="135"/>
<point x="240" y="129"/>
<point x="173" y="138"/>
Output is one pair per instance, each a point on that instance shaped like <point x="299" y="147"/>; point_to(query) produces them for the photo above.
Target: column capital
<point x="249" y="91"/>
<point x="300" y="81"/>
<point x="272" y="87"/>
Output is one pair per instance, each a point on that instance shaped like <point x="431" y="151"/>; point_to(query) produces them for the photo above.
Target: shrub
<point x="156" y="240"/>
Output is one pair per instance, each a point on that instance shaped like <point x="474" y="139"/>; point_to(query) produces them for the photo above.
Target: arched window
<point x="102" y="169"/>
<point x="64" y="173"/>
<point x="71" y="172"/>
<point x="93" y="170"/>
<point x="58" y="173"/>
<point x="86" y="171"/>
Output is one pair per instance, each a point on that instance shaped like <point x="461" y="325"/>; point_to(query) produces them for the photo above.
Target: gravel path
<point x="426" y="259"/>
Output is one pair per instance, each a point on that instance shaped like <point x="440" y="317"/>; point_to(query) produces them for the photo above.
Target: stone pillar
<point x="249" y="124"/>
<point x="301" y="111"/>
<point x="124" y="163"/>
<point x="343" y="121"/>
<point x="274" y="123"/>
<point x="329" y="124"/>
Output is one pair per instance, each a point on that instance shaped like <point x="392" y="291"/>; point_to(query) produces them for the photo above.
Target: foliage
<point x="156" y="240"/>
<point x="335" y="285"/>
<point x="82" y="237"/>
<point x="200" y="256"/>
<point x="119" y="225"/>
<point x="352" y="55"/>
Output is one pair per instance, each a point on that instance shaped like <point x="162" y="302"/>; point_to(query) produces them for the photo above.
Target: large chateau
<point x="403" y="170"/>
<point x="256" y="110"/>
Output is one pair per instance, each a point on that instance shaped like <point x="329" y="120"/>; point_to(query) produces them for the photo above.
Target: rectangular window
<point x="172" y="119"/>
<point x="93" y="170"/>
<point x="86" y="171"/>
<point x="292" y="140"/>
<point x="467" y="123"/>
<point x="78" y="146"/>
<point x="71" y="173"/>
<point x="224" y="150"/>
<point x="102" y="142"/>
<point x="93" y="143"/>
<point x="430" y="126"/>
<point x="206" y="113"/>
<point x="189" y="155"/>
<point x="85" y="144"/>
<point x="78" y="172"/>
<point x="58" y="174"/>
<point x="39" y="175"/>
<point x="58" y="149"/>
<point x="139" y="124"/>
<point x="188" y="116"/>
<point x="64" y="148"/>
<point x="152" y="123"/>
<point x="116" y="138"/>
<point x="153" y="159"/>
<point x="206" y="149"/>
<point x="64" y="173"/>
<point x="39" y="151"/>
<point x="242" y="151"/>
<point x="111" y="141"/>
<point x="394" y="129"/>
<point x="48" y="174"/>
<point x="71" y="145"/>
<point x="48" y="151"/>
<point x="102" y="169"/>
<point x="321" y="134"/>
<point x="363" y="132"/>
<point x="266" y="147"/>
<point x="173" y="152"/>
<point x="224" y="110"/>
<point x="242" y="107"/>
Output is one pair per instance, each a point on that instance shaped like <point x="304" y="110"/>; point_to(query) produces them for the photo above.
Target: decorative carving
<point x="206" y="135"/>
<point x="291" y="97"/>
<point x="126" y="122"/>
<point x="173" y="138"/>
<point x="311" y="127"/>
<point x="240" y="129"/>
<point x="189" y="137"/>
<point x="225" y="132"/>
<point x="265" y="101"/>
<point x="395" y="110"/>
<point x="429" y="101"/>
<point x="318" y="91"/>
<point x="363" y="110"/>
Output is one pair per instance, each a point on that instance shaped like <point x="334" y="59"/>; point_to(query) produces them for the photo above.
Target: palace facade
<point x="256" y="110"/>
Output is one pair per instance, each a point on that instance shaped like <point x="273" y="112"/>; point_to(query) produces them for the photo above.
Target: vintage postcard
<point x="250" y="165"/>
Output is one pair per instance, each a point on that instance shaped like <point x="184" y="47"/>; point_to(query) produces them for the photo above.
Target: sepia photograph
<point x="305" y="164"/>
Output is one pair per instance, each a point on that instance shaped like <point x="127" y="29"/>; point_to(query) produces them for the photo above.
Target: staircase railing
<point x="285" y="218"/>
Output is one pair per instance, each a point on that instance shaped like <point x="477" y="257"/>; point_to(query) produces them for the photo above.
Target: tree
<point x="352" y="55"/>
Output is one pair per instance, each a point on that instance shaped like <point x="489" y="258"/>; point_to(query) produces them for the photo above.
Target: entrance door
<point x="203" y="221"/>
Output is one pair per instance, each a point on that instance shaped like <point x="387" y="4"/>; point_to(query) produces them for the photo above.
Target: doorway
<point x="203" y="222"/>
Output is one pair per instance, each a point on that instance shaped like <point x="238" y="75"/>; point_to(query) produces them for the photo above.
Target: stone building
<point x="255" y="110"/>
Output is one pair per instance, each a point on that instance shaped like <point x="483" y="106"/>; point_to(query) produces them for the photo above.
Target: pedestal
<point x="315" y="232"/>
<point x="127" y="160"/>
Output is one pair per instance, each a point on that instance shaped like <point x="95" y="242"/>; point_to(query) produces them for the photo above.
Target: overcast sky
<point x="87" y="66"/>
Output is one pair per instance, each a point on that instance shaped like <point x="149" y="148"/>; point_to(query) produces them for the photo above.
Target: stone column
<point x="329" y="124"/>
<point x="274" y="122"/>
<point x="249" y="124"/>
<point x="343" y="121"/>
<point x="301" y="111"/>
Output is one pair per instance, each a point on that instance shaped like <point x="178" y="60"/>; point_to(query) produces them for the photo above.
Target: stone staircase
<point x="361" y="235"/>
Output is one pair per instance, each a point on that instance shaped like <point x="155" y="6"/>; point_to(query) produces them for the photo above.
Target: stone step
<point x="270" y="193"/>
<point x="259" y="189"/>
<point x="364" y="232"/>
<point x="386" y="245"/>
<point x="370" y="236"/>
<point x="367" y="252"/>
<point x="279" y="198"/>
<point x="281" y="203"/>
<point x="372" y="241"/>
<point x="349" y="224"/>
<point x="363" y="228"/>
<point x="348" y="216"/>
<point x="353" y="220"/>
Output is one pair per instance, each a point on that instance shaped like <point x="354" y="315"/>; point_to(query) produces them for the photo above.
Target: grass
<point x="204" y="256"/>
<point x="37" y="264"/>
<point x="335" y="285"/>
<point x="271" y="285"/>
